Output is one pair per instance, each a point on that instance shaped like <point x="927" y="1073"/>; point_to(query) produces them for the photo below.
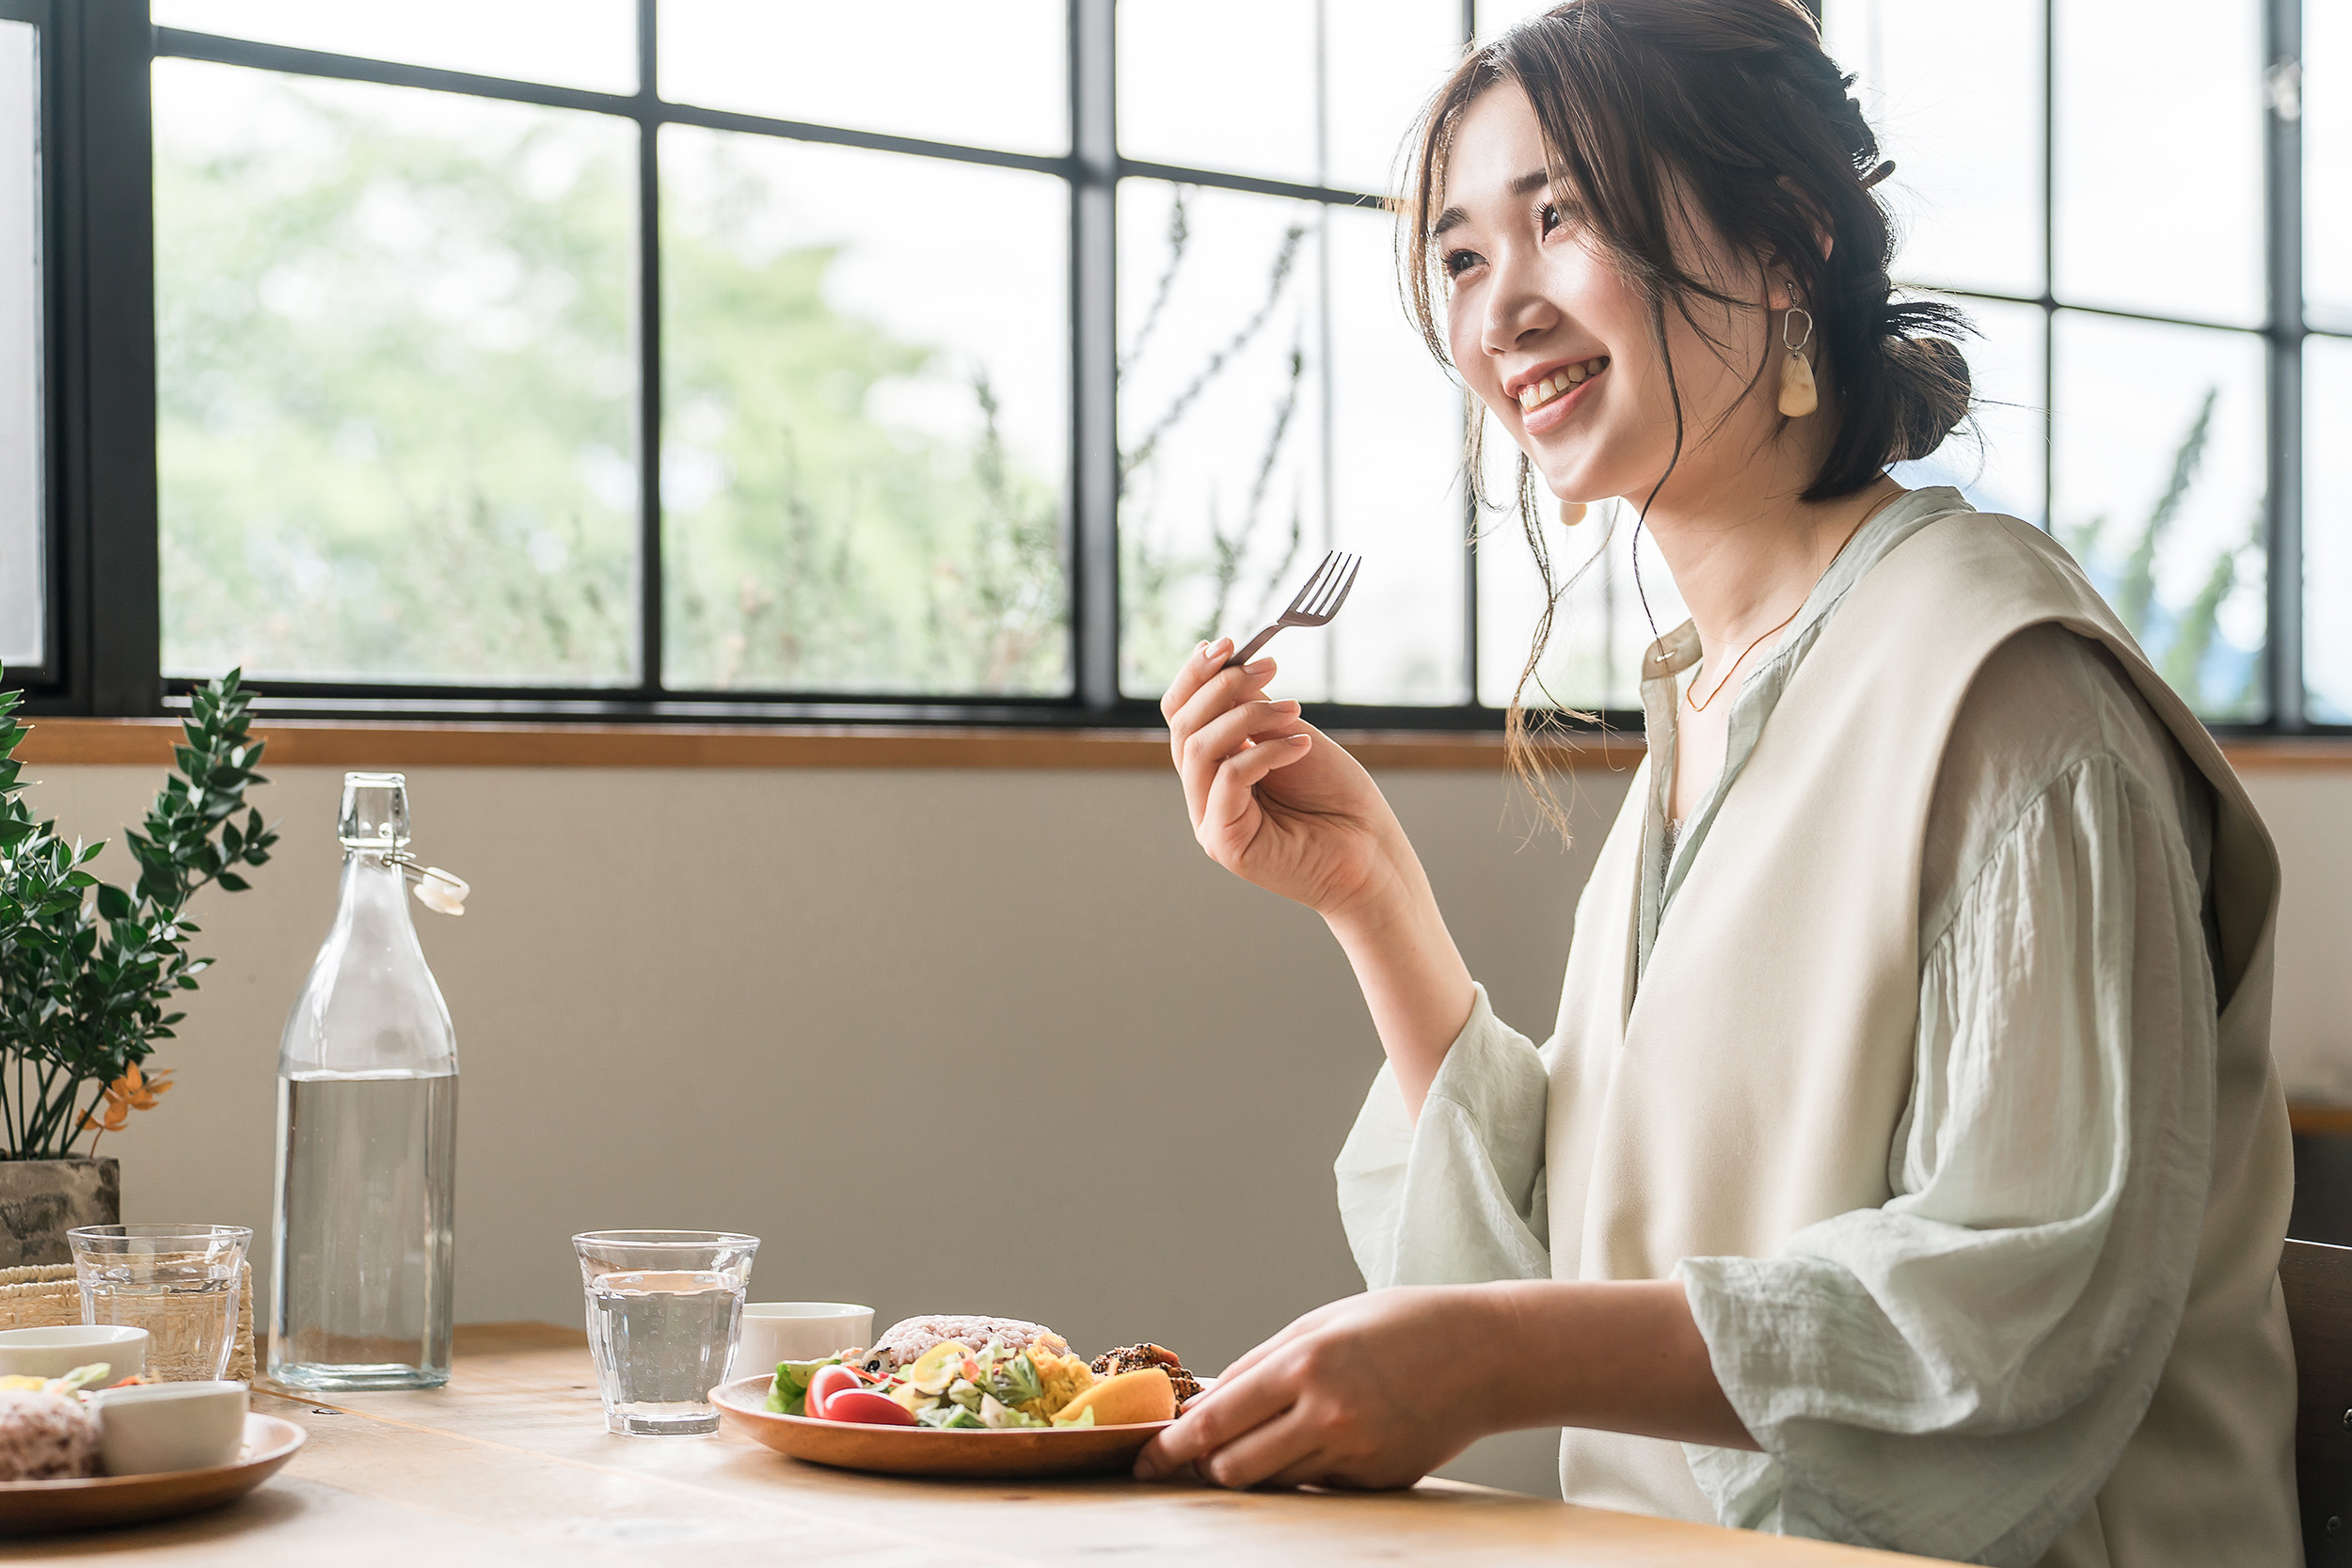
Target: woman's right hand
<point x="1273" y="800"/>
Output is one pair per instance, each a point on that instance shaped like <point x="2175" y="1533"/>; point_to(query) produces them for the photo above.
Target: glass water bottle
<point x="367" y="1132"/>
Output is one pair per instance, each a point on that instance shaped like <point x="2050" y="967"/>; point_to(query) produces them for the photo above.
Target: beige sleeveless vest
<point x="1753" y="1086"/>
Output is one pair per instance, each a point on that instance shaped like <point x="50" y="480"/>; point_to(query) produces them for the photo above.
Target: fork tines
<point x="1326" y="590"/>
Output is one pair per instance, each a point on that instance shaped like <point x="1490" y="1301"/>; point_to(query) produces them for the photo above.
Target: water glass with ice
<point x="179" y="1282"/>
<point x="663" y="1308"/>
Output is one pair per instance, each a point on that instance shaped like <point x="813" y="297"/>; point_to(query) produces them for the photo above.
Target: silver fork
<point x="1317" y="602"/>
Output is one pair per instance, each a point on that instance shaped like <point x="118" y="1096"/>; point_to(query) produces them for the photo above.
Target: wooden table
<point x="511" y="1464"/>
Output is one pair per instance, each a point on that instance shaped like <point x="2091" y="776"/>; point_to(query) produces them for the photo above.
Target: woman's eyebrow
<point x="1526" y="185"/>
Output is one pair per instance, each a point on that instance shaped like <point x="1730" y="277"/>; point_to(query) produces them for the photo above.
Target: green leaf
<point x="113" y="902"/>
<point x="233" y="882"/>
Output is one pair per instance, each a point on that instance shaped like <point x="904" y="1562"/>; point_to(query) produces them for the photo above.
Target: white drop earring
<point x="1798" y="397"/>
<point x="1571" y="514"/>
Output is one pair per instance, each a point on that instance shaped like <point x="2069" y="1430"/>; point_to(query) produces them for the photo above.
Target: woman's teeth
<point x="1535" y="394"/>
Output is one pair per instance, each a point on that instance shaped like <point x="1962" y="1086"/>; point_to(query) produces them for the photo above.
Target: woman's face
<point x="1558" y="344"/>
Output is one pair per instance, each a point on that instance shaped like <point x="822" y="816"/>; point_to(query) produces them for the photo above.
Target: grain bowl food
<point x="46" y="1436"/>
<point x="976" y="1373"/>
<point x="905" y="1341"/>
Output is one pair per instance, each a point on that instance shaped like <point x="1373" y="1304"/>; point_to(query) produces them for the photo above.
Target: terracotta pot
<point x="43" y="1199"/>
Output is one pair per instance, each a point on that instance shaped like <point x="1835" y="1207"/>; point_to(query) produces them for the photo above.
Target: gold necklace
<point x="1698" y="707"/>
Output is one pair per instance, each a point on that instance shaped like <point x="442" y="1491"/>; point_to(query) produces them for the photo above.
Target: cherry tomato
<point x="869" y="1408"/>
<point x="828" y="1382"/>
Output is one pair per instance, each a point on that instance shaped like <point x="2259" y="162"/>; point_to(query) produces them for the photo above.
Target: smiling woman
<point x="1906" y="1165"/>
<point x="1759" y="207"/>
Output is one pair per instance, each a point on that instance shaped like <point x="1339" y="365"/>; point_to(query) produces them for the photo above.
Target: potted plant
<point x="88" y="969"/>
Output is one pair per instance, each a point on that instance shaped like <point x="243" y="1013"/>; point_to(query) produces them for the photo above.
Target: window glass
<point x="866" y="439"/>
<point x="1248" y="446"/>
<point x="2325" y="103"/>
<point x="1396" y="446"/>
<point x="395" y="383"/>
<point x="910" y="68"/>
<point x="1222" y="505"/>
<point x="1383" y="60"/>
<point x="23" y="579"/>
<point x="1317" y="91"/>
<point x="2328" y="529"/>
<point x="2159" y="467"/>
<point x="1497" y="16"/>
<point x="1615" y="596"/>
<point x="2159" y="200"/>
<point x="573" y="43"/>
<point x="1998" y="460"/>
<point x="1959" y="109"/>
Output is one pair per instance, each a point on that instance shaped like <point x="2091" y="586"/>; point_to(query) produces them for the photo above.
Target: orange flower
<point x="135" y="1090"/>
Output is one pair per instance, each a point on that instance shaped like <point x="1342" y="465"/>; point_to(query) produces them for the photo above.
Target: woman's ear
<point x="1824" y="234"/>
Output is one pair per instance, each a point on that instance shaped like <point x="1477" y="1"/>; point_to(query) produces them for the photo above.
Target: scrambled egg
<point x="1065" y="1378"/>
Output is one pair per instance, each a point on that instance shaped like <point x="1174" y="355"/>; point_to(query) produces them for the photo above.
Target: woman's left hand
<point x="1374" y="1391"/>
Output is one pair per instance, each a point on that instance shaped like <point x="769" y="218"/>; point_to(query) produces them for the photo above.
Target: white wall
<point x="2310" y="814"/>
<point x="974" y="1041"/>
<point x="949" y="1041"/>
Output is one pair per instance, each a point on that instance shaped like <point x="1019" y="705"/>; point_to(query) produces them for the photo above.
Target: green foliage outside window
<point x="396" y="426"/>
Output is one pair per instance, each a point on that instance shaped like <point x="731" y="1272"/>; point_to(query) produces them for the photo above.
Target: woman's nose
<point x="1517" y="307"/>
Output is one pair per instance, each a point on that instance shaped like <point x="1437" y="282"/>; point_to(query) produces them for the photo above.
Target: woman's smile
<point x="1549" y="396"/>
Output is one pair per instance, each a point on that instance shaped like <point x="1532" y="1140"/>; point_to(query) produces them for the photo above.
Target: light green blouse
<point x="1968" y="1360"/>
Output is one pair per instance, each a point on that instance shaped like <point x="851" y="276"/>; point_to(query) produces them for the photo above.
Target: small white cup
<point x="774" y="1331"/>
<point x="156" y="1427"/>
<point x="54" y="1352"/>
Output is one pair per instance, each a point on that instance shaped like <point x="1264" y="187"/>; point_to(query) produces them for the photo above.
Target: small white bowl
<point x="155" y="1427"/>
<point x="54" y="1352"/>
<point x="773" y="1331"/>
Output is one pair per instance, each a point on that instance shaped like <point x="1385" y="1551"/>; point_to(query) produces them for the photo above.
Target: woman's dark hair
<point x="1658" y="115"/>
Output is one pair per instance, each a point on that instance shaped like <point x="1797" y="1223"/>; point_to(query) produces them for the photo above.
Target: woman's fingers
<point x="1265" y="1348"/>
<point x="1234" y="1407"/>
<point x="1231" y="802"/>
<point x="1221" y="691"/>
<point x="1204" y="662"/>
<point x="1226" y="738"/>
<point x="1287" y="1451"/>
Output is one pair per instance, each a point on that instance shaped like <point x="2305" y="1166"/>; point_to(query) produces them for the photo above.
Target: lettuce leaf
<point x="790" y="1395"/>
<point x="947" y="1416"/>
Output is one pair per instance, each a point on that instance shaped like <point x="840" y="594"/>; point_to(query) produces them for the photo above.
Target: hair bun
<point x="1929" y="384"/>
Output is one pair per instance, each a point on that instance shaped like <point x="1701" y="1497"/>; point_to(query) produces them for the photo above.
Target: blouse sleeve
<point x="1957" y="1372"/>
<point x="1458" y="1198"/>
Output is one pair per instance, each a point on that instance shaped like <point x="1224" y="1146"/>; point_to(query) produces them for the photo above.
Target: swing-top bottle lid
<point x="375" y="811"/>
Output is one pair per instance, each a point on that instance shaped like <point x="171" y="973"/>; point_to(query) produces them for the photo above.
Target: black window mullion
<point x="1472" y="410"/>
<point x="1094" y="352"/>
<point x="649" y="578"/>
<point x="2049" y="266"/>
<point x="115" y="643"/>
<point x="2283" y="161"/>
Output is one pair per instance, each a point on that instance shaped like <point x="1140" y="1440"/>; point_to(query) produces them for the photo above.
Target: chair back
<point x="2317" y="1283"/>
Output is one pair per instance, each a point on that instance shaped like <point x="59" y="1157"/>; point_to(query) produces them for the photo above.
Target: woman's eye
<point x="1460" y="261"/>
<point x="1550" y="216"/>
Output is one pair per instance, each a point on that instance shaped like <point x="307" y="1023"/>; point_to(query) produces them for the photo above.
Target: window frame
<point x="104" y="626"/>
<point x="2283" y="332"/>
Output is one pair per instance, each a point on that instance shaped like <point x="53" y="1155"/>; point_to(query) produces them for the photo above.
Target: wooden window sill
<point x="300" y="743"/>
<point x="408" y="744"/>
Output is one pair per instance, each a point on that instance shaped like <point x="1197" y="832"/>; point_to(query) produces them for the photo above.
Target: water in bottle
<point x="367" y="1132"/>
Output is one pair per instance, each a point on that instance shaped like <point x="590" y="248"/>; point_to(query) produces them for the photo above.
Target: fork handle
<point x="1241" y="655"/>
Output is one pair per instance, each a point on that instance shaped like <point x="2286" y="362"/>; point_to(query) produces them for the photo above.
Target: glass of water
<point x="179" y="1282"/>
<point x="663" y="1307"/>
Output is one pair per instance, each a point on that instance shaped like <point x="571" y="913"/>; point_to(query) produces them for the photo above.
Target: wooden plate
<point x="925" y="1451"/>
<point x="39" y="1507"/>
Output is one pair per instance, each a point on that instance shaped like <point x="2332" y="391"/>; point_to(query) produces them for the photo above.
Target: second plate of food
<point x="39" y="1507"/>
<point x="925" y="1451"/>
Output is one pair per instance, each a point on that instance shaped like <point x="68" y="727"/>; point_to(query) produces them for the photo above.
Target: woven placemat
<point x="45" y="1296"/>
